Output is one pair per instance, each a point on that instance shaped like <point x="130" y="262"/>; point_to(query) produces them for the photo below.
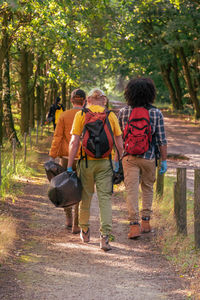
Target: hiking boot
<point x="145" y="225"/>
<point x="134" y="231"/>
<point x="75" y="229"/>
<point x="85" y="236"/>
<point x="104" y="243"/>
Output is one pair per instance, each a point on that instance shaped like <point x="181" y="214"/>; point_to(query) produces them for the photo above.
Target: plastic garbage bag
<point x="65" y="189"/>
<point x="53" y="169"/>
<point x="118" y="176"/>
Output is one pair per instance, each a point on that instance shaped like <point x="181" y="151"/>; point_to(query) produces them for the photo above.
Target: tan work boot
<point x="145" y="225"/>
<point x="134" y="231"/>
<point x="104" y="243"/>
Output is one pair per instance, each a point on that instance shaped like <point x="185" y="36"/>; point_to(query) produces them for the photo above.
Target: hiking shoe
<point x="104" y="243"/>
<point x="145" y="225"/>
<point x="134" y="231"/>
<point x="75" y="229"/>
<point x="85" y="236"/>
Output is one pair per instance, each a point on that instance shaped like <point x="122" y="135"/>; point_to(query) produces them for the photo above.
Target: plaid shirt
<point x="157" y="128"/>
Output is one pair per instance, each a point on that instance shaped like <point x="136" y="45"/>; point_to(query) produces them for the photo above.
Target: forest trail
<point x="51" y="263"/>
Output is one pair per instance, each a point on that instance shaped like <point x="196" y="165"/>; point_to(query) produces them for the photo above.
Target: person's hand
<point x="116" y="166"/>
<point x="163" y="167"/>
<point x="69" y="170"/>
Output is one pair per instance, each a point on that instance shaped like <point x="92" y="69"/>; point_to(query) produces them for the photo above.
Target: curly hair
<point x="140" y="92"/>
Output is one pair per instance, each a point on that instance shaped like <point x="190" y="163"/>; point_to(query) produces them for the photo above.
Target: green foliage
<point x="93" y="43"/>
<point x="12" y="176"/>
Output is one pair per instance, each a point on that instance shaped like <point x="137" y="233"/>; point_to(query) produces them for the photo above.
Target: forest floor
<point x="49" y="262"/>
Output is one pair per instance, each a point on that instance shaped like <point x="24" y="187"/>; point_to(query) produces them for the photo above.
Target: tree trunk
<point x="177" y="85"/>
<point x="31" y="86"/>
<point x="55" y="90"/>
<point x="38" y="103"/>
<point x="42" y="101"/>
<point x="64" y="96"/>
<point x="39" y="93"/>
<point x="165" y="71"/>
<point x="8" y="118"/>
<point x="24" y="95"/>
<point x="1" y="109"/>
<point x="69" y="90"/>
<point x="189" y="83"/>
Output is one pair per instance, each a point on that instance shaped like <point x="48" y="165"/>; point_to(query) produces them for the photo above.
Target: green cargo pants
<point x="98" y="172"/>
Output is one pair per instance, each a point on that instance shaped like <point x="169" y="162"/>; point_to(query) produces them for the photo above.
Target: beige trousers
<point x="138" y="171"/>
<point x="73" y="215"/>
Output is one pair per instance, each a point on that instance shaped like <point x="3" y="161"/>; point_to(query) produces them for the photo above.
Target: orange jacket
<point x="61" y="138"/>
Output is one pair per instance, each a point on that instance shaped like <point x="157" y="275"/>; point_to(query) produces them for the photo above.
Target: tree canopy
<point x="47" y="48"/>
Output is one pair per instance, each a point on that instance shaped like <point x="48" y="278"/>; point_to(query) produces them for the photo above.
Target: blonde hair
<point x="96" y="93"/>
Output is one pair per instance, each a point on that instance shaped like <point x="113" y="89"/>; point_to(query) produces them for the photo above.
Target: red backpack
<point x="137" y="133"/>
<point x="97" y="138"/>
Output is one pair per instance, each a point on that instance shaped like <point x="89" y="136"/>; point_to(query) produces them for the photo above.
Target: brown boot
<point x="134" y="231"/>
<point x="145" y="225"/>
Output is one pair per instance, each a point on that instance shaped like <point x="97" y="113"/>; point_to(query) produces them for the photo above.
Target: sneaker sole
<point x="106" y="249"/>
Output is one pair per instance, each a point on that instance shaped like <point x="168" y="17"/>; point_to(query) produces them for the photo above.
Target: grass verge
<point x="179" y="250"/>
<point x="13" y="178"/>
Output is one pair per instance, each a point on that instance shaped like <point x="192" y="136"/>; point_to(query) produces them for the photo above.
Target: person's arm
<point x="162" y="144"/>
<point x="73" y="149"/>
<point x="163" y="152"/>
<point x="119" y="145"/>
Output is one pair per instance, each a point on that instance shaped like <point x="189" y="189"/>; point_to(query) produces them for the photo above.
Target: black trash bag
<point x="118" y="176"/>
<point x="65" y="189"/>
<point x="52" y="169"/>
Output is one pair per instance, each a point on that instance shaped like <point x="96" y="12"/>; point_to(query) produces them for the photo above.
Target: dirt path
<point x="51" y="263"/>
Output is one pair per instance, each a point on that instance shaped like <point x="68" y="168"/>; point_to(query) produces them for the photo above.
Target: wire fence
<point x="180" y="186"/>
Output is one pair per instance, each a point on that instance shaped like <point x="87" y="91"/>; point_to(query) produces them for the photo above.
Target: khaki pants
<point x="99" y="172"/>
<point x="138" y="171"/>
<point x="68" y="210"/>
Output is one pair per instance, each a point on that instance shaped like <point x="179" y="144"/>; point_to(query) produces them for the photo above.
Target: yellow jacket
<point x="62" y="136"/>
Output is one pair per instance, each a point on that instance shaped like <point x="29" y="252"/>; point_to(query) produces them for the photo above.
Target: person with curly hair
<point x="141" y="168"/>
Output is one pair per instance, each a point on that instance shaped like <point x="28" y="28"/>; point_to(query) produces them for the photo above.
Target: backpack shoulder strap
<point x="84" y="110"/>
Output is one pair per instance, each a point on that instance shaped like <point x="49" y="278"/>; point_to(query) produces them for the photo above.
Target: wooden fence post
<point x="197" y="207"/>
<point x="0" y="164"/>
<point x="30" y="137"/>
<point x="37" y="129"/>
<point x="180" y="203"/>
<point x="41" y="126"/>
<point x="25" y="134"/>
<point x="14" y="154"/>
<point x="159" y="182"/>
